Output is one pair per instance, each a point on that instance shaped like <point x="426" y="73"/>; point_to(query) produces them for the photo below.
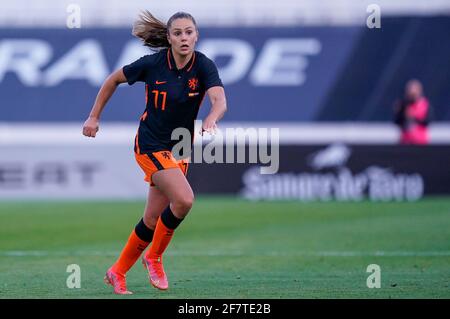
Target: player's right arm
<point x="91" y="125"/>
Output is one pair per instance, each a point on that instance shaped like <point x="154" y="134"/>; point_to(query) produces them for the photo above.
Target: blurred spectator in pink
<point x="412" y="114"/>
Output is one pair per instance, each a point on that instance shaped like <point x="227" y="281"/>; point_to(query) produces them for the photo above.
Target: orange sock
<point x="161" y="239"/>
<point x="130" y="253"/>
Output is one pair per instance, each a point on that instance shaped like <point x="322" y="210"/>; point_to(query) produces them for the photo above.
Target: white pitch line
<point x="46" y="253"/>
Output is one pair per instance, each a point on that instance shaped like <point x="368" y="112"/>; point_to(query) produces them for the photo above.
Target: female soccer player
<point x="176" y="80"/>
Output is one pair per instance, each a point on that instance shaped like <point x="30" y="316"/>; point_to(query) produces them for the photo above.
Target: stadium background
<point x="346" y="194"/>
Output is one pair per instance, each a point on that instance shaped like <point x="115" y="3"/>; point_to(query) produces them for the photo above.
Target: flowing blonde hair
<point x="153" y="32"/>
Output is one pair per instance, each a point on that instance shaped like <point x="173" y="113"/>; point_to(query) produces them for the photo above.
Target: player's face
<point x="182" y="36"/>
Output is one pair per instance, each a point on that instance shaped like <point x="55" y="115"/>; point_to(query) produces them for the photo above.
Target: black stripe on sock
<point x="169" y="219"/>
<point x="143" y="232"/>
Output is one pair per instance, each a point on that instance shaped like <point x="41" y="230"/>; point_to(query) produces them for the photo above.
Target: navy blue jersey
<point x="173" y="96"/>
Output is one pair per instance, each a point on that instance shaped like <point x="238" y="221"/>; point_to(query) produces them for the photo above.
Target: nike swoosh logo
<point x="160" y="82"/>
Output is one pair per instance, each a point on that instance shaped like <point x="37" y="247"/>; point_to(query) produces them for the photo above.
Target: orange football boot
<point x="117" y="281"/>
<point x="156" y="273"/>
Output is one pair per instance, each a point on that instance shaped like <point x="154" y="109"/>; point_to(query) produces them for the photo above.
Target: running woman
<point x="176" y="79"/>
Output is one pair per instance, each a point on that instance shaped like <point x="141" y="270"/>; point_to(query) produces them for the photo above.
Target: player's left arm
<point x="218" y="108"/>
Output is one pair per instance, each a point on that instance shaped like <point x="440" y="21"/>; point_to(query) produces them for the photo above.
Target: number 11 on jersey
<point x="163" y="103"/>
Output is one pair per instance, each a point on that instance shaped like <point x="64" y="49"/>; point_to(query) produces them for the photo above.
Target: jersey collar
<point x="172" y="65"/>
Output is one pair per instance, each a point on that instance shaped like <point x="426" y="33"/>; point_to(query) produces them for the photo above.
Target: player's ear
<point x="168" y="37"/>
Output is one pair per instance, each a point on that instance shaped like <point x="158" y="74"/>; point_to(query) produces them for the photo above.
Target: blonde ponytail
<point x="151" y="31"/>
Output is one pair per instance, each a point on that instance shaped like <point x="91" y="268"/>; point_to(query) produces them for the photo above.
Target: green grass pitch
<point x="232" y="248"/>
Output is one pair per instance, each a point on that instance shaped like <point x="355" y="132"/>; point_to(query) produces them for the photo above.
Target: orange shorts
<point x="151" y="163"/>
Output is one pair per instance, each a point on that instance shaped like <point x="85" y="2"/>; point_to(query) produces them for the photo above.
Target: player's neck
<point x="181" y="60"/>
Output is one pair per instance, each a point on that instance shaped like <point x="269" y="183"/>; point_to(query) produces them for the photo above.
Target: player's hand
<point x="90" y="127"/>
<point x="209" y="126"/>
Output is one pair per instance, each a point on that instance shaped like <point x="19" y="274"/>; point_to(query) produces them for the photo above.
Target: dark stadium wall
<point x="383" y="60"/>
<point x="291" y="74"/>
<point x="270" y="74"/>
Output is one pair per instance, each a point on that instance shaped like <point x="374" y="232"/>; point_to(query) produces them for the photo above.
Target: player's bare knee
<point x="183" y="204"/>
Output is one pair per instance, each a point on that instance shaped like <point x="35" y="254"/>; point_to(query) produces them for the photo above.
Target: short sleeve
<point x="137" y="71"/>
<point x="210" y="74"/>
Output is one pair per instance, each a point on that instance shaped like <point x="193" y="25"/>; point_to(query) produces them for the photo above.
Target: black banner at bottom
<point x="330" y="172"/>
